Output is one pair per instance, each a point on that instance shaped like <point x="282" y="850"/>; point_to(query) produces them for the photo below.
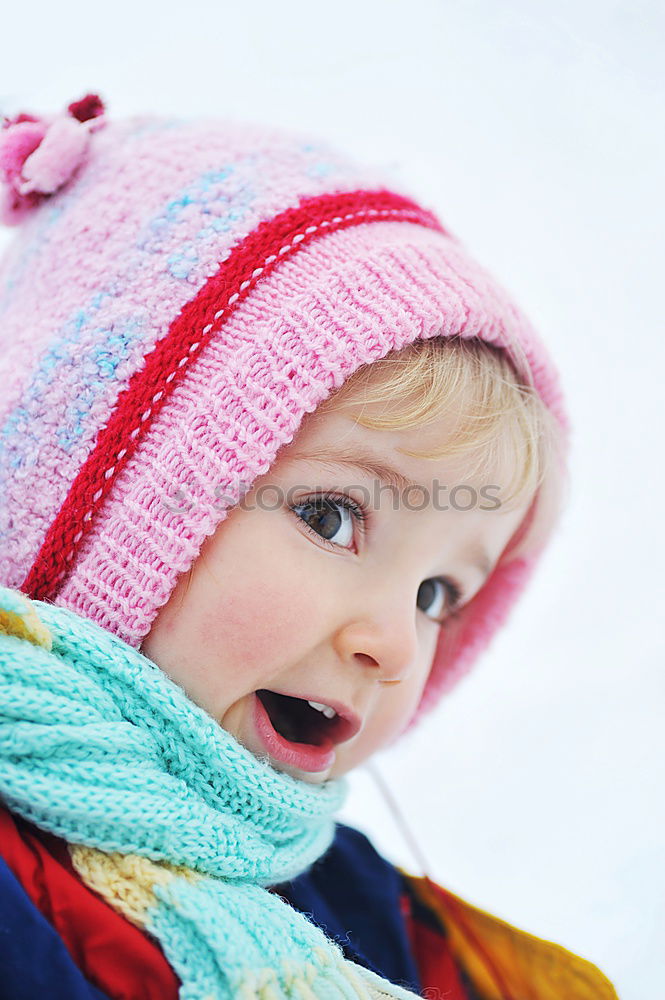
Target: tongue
<point x="293" y="718"/>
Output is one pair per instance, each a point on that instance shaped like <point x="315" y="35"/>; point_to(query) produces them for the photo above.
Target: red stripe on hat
<point x="140" y="402"/>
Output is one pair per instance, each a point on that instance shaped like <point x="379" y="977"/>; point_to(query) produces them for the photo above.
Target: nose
<point x="385" y="642"/>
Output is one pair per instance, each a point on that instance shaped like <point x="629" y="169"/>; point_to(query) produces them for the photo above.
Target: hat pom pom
<point x="38" y="156"/>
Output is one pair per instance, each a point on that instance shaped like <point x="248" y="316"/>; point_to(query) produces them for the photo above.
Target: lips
<point x="295" y="734"/>
<point x="295" y="718"/>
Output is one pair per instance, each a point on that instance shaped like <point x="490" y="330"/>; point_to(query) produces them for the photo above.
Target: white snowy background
<point x="536" y="132"/>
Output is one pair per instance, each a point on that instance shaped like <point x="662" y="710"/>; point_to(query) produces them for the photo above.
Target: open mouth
<point x="296" y="721"/>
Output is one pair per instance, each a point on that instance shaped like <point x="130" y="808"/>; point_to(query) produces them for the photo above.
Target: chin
<point x="310" y="777"/>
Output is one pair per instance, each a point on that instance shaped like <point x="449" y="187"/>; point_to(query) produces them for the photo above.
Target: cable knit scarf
<point x="174" y="823"/>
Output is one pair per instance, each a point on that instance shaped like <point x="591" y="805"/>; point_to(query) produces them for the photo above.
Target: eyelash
<point x="361" y="515"/>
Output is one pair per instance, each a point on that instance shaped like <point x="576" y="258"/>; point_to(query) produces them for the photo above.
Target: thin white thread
<point x="298" y="238"/>
<point x="398" y="816"/>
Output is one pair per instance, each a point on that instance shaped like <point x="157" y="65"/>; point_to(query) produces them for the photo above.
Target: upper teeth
<point x="326" y="709"/>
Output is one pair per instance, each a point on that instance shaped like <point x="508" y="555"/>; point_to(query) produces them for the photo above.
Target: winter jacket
<point x="59" y="940"/>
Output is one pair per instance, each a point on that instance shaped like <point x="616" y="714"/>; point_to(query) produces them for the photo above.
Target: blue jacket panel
<point x="352" y="886"/>
<point x="34" y="961"/>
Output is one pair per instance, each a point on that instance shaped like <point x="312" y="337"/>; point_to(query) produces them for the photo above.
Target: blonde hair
<point x="498" y="419"/>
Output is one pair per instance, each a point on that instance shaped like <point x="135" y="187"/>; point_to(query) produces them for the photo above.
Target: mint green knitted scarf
<point x="166" y="815"/>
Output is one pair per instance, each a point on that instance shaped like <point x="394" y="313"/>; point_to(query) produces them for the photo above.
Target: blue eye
<point x="328" y="516"/>
<point x="444" y="602"/>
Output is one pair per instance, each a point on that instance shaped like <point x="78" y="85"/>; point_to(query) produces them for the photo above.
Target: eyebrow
<point x="367" y="463"/>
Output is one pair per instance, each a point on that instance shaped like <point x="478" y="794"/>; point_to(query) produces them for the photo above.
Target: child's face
<point x="351" y="622"/>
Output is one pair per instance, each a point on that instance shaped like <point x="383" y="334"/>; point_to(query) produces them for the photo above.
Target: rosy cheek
<point x="259" y="628"/>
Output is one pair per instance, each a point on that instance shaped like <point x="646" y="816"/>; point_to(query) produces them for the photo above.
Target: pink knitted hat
<point x="179" y="294"/>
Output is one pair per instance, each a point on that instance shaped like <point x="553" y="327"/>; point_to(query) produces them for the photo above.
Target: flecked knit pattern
<point x="136" y="244"/>
<point x="171" y="820"/>
<point x="98" y="277"/>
